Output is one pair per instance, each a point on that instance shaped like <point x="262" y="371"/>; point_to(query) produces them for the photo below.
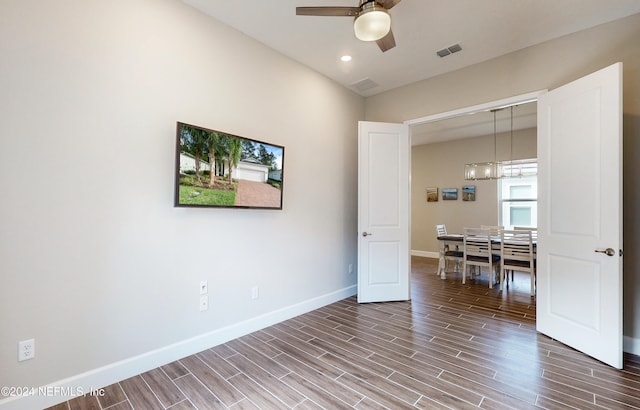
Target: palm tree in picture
<point x="222" y="152"/>
<point x="213" y="144"/>
<point x="195" y="143"/>
<point x="235" y="151"/>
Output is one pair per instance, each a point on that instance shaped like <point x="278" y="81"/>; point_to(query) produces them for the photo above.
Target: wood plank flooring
<point x="451" y="347"/>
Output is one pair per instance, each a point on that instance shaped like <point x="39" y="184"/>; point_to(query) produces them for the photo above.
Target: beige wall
<point x="95" y="262"/>
<point x="547" y="66"/>
<point x="441" y="165"/>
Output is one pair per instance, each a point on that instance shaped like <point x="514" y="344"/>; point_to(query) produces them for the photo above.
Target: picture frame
<point x="449" y="194"/>
<point x="469" y="193"/>
<point x="432" y="194"/>
<point x="247" y="173"/>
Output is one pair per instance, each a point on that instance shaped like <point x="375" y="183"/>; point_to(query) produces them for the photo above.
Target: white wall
<point x="548" y="66"/>
<point x="95" y="262"/>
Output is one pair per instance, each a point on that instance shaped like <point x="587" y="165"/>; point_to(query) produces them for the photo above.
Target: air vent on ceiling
<point x="449" y="50"/>
<point x="364" y="85"/>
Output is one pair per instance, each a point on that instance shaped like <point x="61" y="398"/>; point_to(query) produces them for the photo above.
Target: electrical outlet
<point x="204" y="303"/>
<point x="26" y="349"/>
<point x="204" y="287"/>
<point x="255" y="292"/>
<point x="351" y="268"/>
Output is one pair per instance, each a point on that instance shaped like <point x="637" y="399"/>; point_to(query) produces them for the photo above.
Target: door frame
<point x="491" y="105"/>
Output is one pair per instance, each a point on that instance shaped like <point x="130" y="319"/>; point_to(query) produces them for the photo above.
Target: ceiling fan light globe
<point x="372" y="24"/>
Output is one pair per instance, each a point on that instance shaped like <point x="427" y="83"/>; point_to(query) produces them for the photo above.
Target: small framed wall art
<point x="449" y="194"/>
<point x="432" y="194"/>
<point x="469" y="193"/>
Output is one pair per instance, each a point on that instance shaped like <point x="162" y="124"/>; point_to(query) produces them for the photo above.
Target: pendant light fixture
<point x="479" y="171"/>
<point x="518" y="167"/>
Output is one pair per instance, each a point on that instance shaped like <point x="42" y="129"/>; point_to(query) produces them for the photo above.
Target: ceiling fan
<point x="372" y="20"/>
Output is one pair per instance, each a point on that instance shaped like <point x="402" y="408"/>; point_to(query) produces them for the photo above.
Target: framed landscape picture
<point x="432" y="194"/>
<point x="218" y="169"/>
<point x="469" y="193"/>
<point x="449" y="194"/>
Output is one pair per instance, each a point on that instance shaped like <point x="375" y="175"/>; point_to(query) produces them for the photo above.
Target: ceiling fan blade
<point x="387" y="42"/>
<point x="327" y="11"/>
<point x="387" y="4"/>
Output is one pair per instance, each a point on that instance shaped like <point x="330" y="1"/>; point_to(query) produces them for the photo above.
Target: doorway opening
<point x="442" y="144"/>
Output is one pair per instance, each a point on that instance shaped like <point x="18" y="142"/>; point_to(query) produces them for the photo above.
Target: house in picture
<point x="251" y="170"/>
<point x="188" y="163"/>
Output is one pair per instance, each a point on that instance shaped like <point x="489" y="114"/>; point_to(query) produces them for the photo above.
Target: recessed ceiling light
<point x="345" y="58"/>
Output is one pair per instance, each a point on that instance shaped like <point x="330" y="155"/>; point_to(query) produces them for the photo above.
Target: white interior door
<point x="384" y="164"/>
<point x="580" y="215"/>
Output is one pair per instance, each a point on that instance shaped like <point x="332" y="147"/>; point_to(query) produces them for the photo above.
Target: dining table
<point x="454" y="241"/>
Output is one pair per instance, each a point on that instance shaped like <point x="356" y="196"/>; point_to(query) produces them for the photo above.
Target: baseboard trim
<point x="87" y="382"/>
<point x="631" y="345"/>
<point x="425" y="254"/>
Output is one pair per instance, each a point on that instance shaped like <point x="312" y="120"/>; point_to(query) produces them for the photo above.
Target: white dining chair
<point x="454" y="255"/>
<point x="516" y="248"/>
<point x="478" y="252"/>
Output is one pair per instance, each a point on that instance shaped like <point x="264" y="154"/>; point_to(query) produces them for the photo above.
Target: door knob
<point x="608" y="251"/>
<point x="365" y="234"/>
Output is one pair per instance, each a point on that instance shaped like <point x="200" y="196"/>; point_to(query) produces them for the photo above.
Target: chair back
<point x="516" y="248"/>
<point x="441" y="230"/>
<point x="478" y="252"/>
<point x="494" y="230"/>
<point x="477" y="246"/>
<point x="534" y="231"/>
<point x="446" y="253"/>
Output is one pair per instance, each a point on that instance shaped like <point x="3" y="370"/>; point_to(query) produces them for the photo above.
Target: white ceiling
<point x="484" y="28"/>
